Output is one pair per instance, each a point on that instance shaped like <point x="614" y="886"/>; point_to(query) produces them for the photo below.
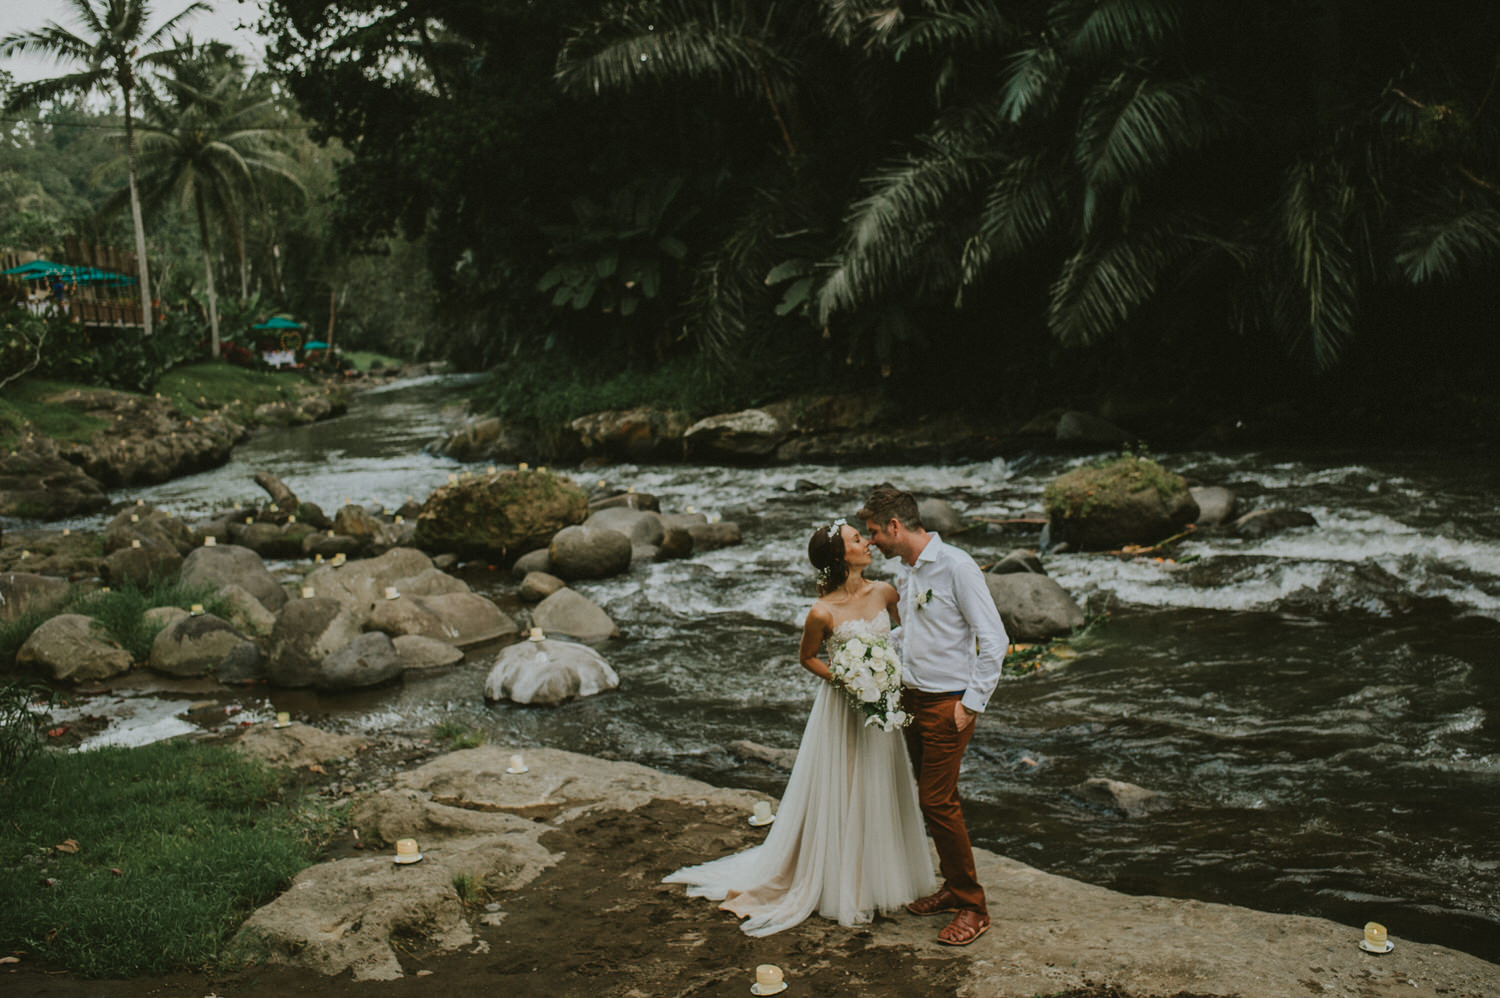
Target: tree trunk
<point x="332" y="311"/>
<point x="208" y="269"/>
<point x="147" y="318"/>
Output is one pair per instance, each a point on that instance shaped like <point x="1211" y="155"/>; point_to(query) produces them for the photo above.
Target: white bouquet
<point x="868" y="670"/>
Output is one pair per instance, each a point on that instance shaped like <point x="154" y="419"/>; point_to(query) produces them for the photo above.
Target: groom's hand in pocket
<point x="962" y="716"/>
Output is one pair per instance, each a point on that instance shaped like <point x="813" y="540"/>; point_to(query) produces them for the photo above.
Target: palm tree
<point x="209" y="145"/>
<point x="115" y="46"/>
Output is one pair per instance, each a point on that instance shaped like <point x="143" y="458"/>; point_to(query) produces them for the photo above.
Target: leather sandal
<point x="966" y="927"/>
<point x="934" y="904"/>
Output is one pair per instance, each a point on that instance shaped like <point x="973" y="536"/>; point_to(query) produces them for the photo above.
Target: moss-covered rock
<point x="501" y="514"/>
<point x="1130" y="500"/>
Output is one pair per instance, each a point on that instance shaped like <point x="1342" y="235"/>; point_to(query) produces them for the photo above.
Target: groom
<point x="953" y="647"/>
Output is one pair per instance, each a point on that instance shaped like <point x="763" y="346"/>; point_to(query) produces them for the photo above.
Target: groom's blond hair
<point x="886" y="504"/>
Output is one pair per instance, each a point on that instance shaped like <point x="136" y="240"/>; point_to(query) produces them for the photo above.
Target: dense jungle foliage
<point x="1013" y="204"/>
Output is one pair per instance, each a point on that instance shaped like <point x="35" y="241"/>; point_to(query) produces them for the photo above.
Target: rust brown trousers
<point x="936" y="747"/>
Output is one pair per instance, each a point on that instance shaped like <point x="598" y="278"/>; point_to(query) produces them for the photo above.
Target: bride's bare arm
<point x="815" y="629"/>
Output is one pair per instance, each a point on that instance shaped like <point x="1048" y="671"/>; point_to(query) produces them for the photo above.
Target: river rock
<point x="581" y="552"/>
<point x="1033" y="607"/>
<point x="36" y="481"/>
<point x="629" y="499"/>
<point x="485" y="438"/>
<point x="676" y="542"/>
<point x="145" y="523"/>
<point x="306" y="632"/>
<point x="327" y="543"/>
<point x="164" y="616"/>
<point x="419" y="653"/>
<point x="143" y="439"/>
<point x="641" y="526"/>
<point x="781" y="758"/>
<point x="738" y="436"/>
<point x="682" y="521"/>
<point x="500" y="515"/>
<point x="710" y="536"/>
<point x="153" y="561"/>
<point x="532" y="561"/>
<point x="73" y="648"/>
<point x="25" y="592"/>
<point x="1131" y="500"/>
<point x="203" y="644"/>
<point x="364" y="582"/>
<point x="246" y="613"/>
<point x="1215" y="504"/>
<point x="1086" y="428"/>
<point x="548" y="673"/>
<point x="1265" y="522"/>
<point x="537" y="586"/>
<point x="938" y="515"/>
<point x="368" y="660"/>
<point x="229" y="564"/>
<point x="460" y="619"/>
<point x="1126" y="799"/>
<point x="353" y="520"/>
<point x="1019" y="560"/>
<point x="640" y="434"/>
<point x="569" y="612"/>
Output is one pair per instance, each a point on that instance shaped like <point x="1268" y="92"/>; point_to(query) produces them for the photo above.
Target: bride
<point x="849" y="839"/>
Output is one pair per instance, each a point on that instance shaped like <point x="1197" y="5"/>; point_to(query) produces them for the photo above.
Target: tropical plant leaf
<point x="1314" y="210"/>
<point x="788" y="269"/>
<point x="796" y="297"/>
<point x="1448" y="242"/>
<point x="1101" y="284"/>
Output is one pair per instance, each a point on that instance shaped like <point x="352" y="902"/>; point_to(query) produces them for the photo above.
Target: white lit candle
<point x="517" y="764"/>
<point x="391" y="593"/>
<point x="135" y="518"/>
<point x="308" y="592"/>
<point x="197" y="609"/>
<point x="210" y="541"/>
<point x="283" y="718"/>
<point x="523" y="466"/>
<point x="536" y="634"/>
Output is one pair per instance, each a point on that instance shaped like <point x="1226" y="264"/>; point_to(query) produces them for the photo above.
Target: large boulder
<point x="229" y="564"/>
<point x="639" y="434"/>
<point x="1215" y="504"/>
<point x="548" y="672"/>
<point x="246" y="613"/>
<point x="419" y="653"/>
<point x="203" y="644"/>
<point x="641" y="526"/>
<point x="1125" y="799"/>
<point x="353" y="520"/>
<point x="1033" y="607"/>
<point x="24" y="592"/>
<point x="365" y="584"/>
<point x="709" y="536"/>
<point x="146" y="523"/>
<point x="460" y="619"/>
<point x="1131" y="500"/>
<point x="532" y="561"/>
<point x="499" y="515"/>
<point x="148" y="562"/>
<point x="1085" y="428"/>
<point x="73" y="648"/>
<point x="537" y="586"/>
<point x="939" y="515"/>
<point x="582" y="552"/>
<point x="751" y="434"/>
<point x="307" y="631"/>
<point x="1019" y="560"/>
<point x="368" y="660"/>
<point x="36" y="481"/>
<point x="569" y="612"/>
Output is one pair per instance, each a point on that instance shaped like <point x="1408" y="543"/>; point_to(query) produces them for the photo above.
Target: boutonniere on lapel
<point x="924" y="599"/>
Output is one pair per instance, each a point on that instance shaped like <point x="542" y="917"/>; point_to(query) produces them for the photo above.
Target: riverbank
<point x="569" y="857"/>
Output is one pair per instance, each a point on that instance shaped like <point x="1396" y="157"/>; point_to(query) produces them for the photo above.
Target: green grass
<point x="28" y="401"/>
<point x="176" y="843"/>
<point x="120" y="610"/>
<point x="193" y="386"/>
<point x="363" y="360"/>
<point x="458" y="736"/>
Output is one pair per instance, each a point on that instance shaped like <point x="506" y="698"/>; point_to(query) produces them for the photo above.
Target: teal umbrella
<point x="278" y="322"/>
<point x="315" y="345"/>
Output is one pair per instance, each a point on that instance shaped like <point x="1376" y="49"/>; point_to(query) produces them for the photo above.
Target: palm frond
<point x="1448" y="242"/>
<point x="1023" y="207"/>
<point x="171" y="24"/>
<point x="1034" y="80"/>
<point x="1314" y="208"/>
<point x="27" y="95"/>
<point x="882" y="229"/>
<point x="1109" y="30"/>
<point x="971" y="25"/>
<point x="1101" y="284"/>
<point x="849" y="21"/>
<point x="1131" y="127"/>
<point x="672" y="40"/>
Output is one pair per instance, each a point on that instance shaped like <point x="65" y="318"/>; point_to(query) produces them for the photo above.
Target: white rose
<point x="856" y="648"/>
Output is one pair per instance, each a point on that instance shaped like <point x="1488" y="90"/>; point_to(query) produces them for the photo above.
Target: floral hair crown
<point x="834" y="529"/>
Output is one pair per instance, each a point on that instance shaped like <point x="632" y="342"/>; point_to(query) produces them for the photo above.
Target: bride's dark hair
<point x="826" y="552"/>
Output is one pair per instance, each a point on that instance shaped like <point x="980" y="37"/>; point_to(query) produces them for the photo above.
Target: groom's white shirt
<point x="953" y="639"/>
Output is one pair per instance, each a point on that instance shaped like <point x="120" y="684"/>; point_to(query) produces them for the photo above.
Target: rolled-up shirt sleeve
<point x="978" y="610"/>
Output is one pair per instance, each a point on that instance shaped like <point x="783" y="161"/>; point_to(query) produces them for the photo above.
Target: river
<point x="1323" y="706"/>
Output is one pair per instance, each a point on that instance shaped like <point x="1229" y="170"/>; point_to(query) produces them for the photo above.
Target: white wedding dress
<point x="848" y="840"/>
